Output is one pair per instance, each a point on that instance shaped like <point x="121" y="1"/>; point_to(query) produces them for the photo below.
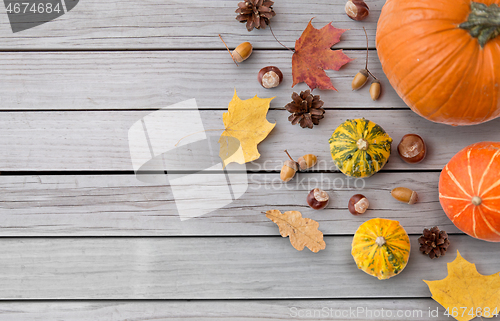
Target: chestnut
<point x="317" y="199"/>
<point x="357" y="9"/>
<point x="358" y="204"/>
<point x="270" y="77"/>
<point x="412" y="148"/>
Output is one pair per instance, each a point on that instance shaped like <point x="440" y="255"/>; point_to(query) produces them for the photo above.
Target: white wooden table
<point x="83" y="239"/>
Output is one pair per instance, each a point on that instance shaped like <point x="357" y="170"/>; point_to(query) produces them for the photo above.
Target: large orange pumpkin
<point x="433" y="59"/>
<point x="469" y="190"/>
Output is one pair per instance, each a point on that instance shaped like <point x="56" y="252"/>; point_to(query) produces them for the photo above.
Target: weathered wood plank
<point x="98" y="140"/>
<point x="156" y="24"/>
<point x="155" y="79"/>
<point x="354" y="309"/>
<point x="122" y="205"/>
<point x="212" y="268"/>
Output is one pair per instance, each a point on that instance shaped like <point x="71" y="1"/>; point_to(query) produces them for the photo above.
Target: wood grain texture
<point x="213" y="268"/>
<point x="44" y="141"/>
<point x="156" y="79"/>
<point x="70" y="109"/>
<point x="242" y="310"/>
<point x="121" y="205"/>
<point x="156" y="24"/>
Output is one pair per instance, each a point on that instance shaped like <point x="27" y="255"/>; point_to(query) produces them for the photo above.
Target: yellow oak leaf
<point x="302" y="231"/>
<point x="245" y="127"/>
<point x="465" y="293"/>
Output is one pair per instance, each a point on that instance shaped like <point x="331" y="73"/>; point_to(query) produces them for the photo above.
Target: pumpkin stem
<point x="483" y="22"/>
<point x="476" y="200"/>
<point x="362" y="144"/>
<point x="380" y="241"/>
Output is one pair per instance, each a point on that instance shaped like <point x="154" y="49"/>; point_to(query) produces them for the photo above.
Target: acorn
<point x="242" y="52"/>
<point x="270" y="77"/>
<point x="360" y="79"/>
<point x="288" y="171"/>
<point x="307" y="161"/>
<point x="289" y="168"/>
<point x="375" y="89"/>
<point x="362" y="76"/>
<point x="405" y="195"/>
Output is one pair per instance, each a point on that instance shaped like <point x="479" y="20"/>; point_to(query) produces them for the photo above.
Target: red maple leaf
<point x="313" y="54"/>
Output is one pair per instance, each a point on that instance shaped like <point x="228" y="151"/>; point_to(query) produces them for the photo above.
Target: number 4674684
<point x="27" y="7"/>
<point x="463" y="311"/>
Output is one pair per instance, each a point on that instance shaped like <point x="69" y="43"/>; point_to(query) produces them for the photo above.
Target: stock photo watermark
<point x="362" y="313"/>
<point x="27" y="14"/>
<point x="201" y="184"/>
<point x="324" y="181"/>
<point x="166" y="152"/>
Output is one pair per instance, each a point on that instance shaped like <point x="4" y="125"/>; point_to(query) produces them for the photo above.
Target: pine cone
<point x="306" y="109"/>
<point x="255" y="12"/>
<point x="434" y="242"/>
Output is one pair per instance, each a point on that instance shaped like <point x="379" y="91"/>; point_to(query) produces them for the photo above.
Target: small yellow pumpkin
<point x="360" y="148"/>
<point x="381" y="248"/>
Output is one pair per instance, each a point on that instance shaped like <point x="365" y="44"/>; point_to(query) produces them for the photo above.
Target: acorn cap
<point x="292" y="165"/>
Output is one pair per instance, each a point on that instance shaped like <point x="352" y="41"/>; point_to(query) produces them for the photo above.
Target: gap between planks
<point x="121" y="205"/>
<point x="99" y="141"/>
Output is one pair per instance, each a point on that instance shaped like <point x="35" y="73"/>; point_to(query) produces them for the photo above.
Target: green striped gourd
<point x="360" y="148"/>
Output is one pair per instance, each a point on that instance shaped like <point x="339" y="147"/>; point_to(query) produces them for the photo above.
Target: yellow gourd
<point x="381" y="248"/>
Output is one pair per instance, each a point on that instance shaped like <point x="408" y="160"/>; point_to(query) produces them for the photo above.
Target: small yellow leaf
<point x="464" y="292"/>
<point x="302" y="231"/>
<point x="246" y="125"/>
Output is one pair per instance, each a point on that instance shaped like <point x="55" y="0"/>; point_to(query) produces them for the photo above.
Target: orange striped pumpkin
<point x="469" y="190"/>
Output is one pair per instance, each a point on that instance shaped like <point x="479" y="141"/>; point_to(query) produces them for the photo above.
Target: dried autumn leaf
<point x="313" y="54"/>
<point x="302" y="231"/>
<point x="246" y="121"/>
<point x="466" y="291"/>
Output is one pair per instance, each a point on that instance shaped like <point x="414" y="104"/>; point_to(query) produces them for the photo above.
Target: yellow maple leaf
<point x="465" y="292"/>
<point x="302" y="231"/>
<point x="245" y="127"/>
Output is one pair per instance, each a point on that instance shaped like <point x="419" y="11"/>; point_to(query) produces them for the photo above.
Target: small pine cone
<point x="256" y="13"/>
<point x="434" y="242"/>
<point x="306" y="108"/>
